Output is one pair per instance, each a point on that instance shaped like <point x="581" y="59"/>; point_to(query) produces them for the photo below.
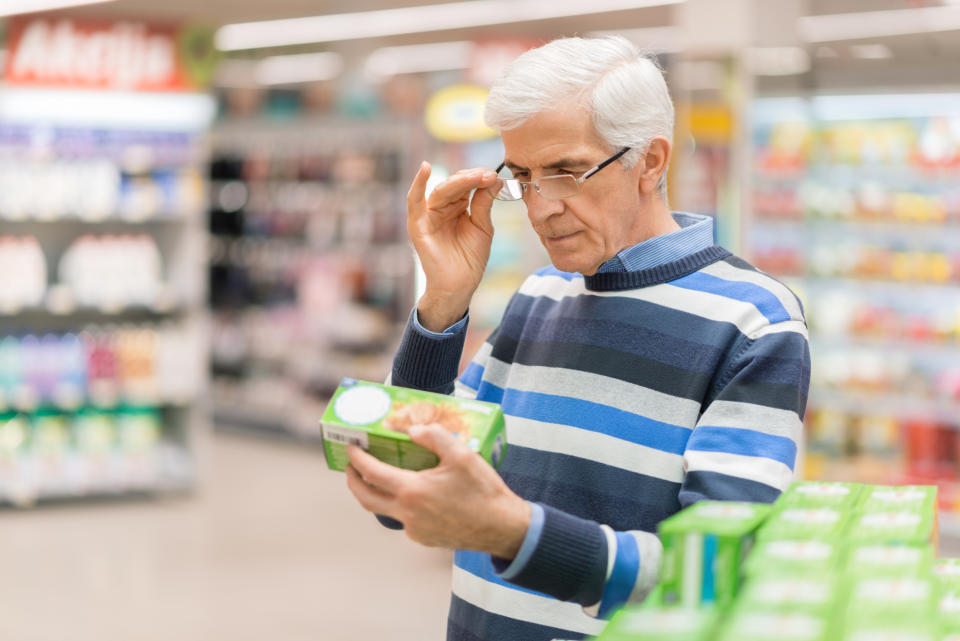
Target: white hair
<point x="623" y="88"/>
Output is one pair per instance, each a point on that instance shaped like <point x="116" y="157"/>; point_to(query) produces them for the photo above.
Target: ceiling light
<point x="303" y="67"/>
<point x="778" y="61"/>
<point x="652" y="39"/>
<point x="418" y="19"/>
<point x="13" y="7"/>
<point x="439" y="56"/>
<point x="873" y="24"/>
<point x="874" y="51"/>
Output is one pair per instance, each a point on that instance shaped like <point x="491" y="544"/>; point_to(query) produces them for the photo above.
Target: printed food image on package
<point x="378" y="419"/>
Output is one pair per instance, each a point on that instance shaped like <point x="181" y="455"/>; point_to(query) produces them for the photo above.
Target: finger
<point x="455" y="188"/>
<point x="377" y="473"/>
<point x="418" y="187"/>
<point x="482" y="202"/>
<point x="435" y="438"/>
<point x="369" y="497"/>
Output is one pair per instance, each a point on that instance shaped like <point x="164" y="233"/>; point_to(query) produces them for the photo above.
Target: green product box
<point x="703" y="549"/>
<point x="660" y="624"/>
<point x="377" y="417"/>
<point x="815" y="593"/>
<point x="753" y="625"/>
<point x="883" y="559"/>
<point x="895" y="598"/>
<point x="820" y="494"/>
<point x="890" y="630"/>
<point x="947" y="572"/>
<point x="794" y="556"/>
<point x="888" y="498"/>
<point x="948" y="610"/>
<point x="817" y="523"/>
<point x="908" y="526"/>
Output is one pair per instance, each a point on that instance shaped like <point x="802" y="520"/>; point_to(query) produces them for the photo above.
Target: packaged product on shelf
<point x="883" y="498"/>
<point x="820" y="494"/>
<point x="50" y="443"/>
<point x="14" y="450"/>
<point x="893" y="597"/>
<point x="895" y="526"/>
<point x="947" y="572"/>
<point x="661" y="624"/>
<point x="794" y="556"/>
<point x="872" y="629"/>
<point x="791" y="523"/>
<point x="890" y="560"/>
<point x="138" y="430"/>
<point x="703" y="548"/>
<point x="747" y="625"/>
<point x="95" y="442"/>
<point x="816" y="593"/>
<point x="948" y="610"/>
<point x="378" y="418"/>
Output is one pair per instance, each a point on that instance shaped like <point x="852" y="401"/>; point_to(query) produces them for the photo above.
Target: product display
<point x="860" y="216"/>
<point x="22" y="256"/>
<point x="311" y="274"/>
<point x="854" y="568"/>
<point x="102" y="333"/>
<point x="89" y="451"/>
<point x="378" y="417"/>
<point x="703" y="548"/>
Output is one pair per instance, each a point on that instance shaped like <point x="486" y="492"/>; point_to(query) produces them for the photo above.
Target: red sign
<point x="57" y="51"/>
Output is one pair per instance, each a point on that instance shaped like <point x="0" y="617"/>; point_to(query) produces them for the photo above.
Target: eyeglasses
<point x="550" y="187"/>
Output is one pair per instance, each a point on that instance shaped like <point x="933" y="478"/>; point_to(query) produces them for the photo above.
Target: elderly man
<point x="645" y="370"/>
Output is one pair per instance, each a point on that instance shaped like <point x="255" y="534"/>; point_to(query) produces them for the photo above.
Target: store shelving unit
<point x="312" y="276"/>
<point x="102" y="367"/>
<point x="855" y="204"/>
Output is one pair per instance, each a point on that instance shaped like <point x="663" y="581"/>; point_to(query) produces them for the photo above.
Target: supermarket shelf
<point x="59" y="305"/>
<point x="158" y="219"/>
<point x="899" y="405"/>
<point x="171" y="471"/>
<point x="924" y="349"/>
<point x="881" y="287"/>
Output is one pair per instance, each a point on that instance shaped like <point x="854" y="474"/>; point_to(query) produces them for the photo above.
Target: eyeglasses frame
<point x="579" y="181"/>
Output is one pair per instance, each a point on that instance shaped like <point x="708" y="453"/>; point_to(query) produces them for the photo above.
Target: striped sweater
<point x="627" y="396"/>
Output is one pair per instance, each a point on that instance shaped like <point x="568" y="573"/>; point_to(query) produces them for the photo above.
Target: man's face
<point x="582" y="232"/>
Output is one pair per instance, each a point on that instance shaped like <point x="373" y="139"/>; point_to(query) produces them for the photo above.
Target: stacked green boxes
<point x="703" y="551"/>
<point x="377" y="418"/>
<point x="947" y="573"/>
<point x="661" y="624"/>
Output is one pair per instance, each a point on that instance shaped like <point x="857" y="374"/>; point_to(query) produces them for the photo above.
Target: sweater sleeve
<point x="744" y="446"/>
<point x="427" y="360"/>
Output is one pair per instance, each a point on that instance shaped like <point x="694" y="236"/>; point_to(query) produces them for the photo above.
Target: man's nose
<point x="540" y="208"/>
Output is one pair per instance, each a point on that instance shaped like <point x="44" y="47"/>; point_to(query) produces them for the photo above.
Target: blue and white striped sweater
<point x="627" y="396"/>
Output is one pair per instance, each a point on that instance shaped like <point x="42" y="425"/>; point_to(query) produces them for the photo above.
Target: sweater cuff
<point x="569" y="561"/>
<point x="509" y="570"/>
<point x="428" y="362"/>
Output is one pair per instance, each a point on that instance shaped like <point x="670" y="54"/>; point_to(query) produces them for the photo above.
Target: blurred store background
<point x="202" y="230"/>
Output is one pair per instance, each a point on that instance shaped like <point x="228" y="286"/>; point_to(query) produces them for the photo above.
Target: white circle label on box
<point x="362" y="405"/>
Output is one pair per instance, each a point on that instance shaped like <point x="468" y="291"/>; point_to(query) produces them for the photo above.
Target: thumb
<point x="418" y="188"/>
<point x="435" y="438"/>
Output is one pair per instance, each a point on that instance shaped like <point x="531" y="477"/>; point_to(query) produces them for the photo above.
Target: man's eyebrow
<point x="562" y="163"/>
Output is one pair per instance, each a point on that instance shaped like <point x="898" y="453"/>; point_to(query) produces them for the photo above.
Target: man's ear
<point x="656" y="159"/>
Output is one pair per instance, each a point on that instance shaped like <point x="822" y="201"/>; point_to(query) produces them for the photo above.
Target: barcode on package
<point x="346" y="436"/>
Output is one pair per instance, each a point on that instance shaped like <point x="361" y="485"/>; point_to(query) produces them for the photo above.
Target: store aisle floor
<point x="271" y="548"/>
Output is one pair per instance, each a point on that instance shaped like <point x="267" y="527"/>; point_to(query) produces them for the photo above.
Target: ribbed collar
<point x="614" y="281"/>
<point x="695" y="233"/>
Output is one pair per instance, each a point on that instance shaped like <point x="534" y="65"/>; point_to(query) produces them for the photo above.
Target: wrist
<point x="437" y="313"/>
<point x="515" y="522"/>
